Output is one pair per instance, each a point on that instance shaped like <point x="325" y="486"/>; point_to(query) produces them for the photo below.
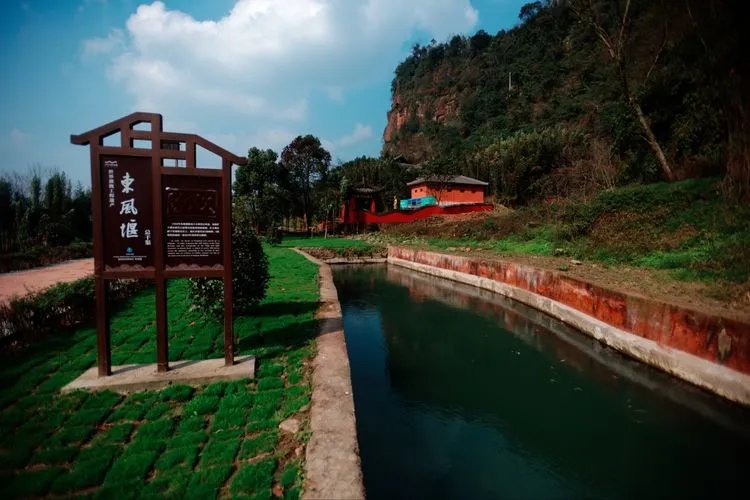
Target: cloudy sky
<point x="241" y="73"/>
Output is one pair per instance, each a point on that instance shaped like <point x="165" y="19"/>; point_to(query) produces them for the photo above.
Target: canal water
<point x="461" y="393"/>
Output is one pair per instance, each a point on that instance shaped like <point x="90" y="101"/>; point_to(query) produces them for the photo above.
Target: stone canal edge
<point x="710" y="352"/>
<point x="332" y="464"/>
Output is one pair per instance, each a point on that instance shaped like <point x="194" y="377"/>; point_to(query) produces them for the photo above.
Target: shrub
<point x="274" y="236"/>
<point x="59" y="307"/>
<point x="249" y="279"/>
<point x="37" y="256"/>
<point x="519" y="163"/>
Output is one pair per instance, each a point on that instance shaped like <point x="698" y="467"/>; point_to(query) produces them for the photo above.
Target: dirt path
<point x="23" y="282"/>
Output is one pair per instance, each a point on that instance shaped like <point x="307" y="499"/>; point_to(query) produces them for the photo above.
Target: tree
<point x="615" y="39"/>
<point x="306" y="161"/>
<point x="479" y="41"/>
<point x="258" y="189"/>
<point x="529" y="10"/>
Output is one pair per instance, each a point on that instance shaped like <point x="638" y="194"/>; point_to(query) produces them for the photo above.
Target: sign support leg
<point x="104" y="351"/>
<point x="228" y="327"/>
<point x="162" y="349"/>
<point x="226" y="181"/>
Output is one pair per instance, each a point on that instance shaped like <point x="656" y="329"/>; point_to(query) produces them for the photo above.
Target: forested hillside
<point x="582" y="95"/>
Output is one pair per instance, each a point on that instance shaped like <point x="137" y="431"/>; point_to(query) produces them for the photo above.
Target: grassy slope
<point x="320" y="242"/>
<point x="685" y="227"/>
<point x="221" y="438"/>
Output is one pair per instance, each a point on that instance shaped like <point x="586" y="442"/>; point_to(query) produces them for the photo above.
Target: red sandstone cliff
<point x="411" y="115"/>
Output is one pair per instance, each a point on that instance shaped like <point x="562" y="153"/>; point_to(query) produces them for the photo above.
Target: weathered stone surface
<point x="131" y="378"/>
<point x="290" y="426"/>
<point x="332" y="466"/>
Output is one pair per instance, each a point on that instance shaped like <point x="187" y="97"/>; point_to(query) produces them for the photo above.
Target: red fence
<point x="401" y="216"/>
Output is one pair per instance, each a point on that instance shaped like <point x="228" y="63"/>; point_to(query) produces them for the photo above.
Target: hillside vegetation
<point x="686" y="228"/>
<point x="547" y="109"/>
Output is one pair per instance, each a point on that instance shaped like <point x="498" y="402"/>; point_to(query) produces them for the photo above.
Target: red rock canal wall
<point x="723" y="342"/>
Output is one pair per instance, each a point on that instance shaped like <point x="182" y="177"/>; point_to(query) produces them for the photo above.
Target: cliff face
<point x="412" y="112"/>
<point x="445" y="108"/>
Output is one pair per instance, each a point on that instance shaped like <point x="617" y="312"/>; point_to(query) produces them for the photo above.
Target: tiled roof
<point x="455" y="179"/>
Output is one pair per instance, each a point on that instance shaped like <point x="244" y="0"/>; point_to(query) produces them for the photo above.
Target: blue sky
<point x="241" y="73"/>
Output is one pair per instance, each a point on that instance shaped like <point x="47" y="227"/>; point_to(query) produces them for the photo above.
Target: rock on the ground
<point x="290" y="425"/>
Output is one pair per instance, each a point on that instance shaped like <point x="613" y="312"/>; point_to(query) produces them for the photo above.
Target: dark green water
<point x="460" y="393"/>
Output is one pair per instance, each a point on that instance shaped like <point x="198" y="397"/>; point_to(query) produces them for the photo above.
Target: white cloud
<point x="104" y="45"/>
<point x="255" y="76"/>
<point x="266" y="57"/>
<point x="358" y="134"/>
<point x="273" y="138"/>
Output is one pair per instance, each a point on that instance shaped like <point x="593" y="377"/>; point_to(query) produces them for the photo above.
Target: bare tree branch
<point x="658" y="52"/>
<point x="623" y="24"/>
<point x="695" y="26"/>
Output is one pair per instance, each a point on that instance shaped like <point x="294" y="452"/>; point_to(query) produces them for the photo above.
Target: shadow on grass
<point x="288" y="337"/>
<point x="281" y="308"/>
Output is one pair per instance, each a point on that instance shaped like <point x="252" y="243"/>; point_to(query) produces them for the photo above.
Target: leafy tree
<point x="42" y="209"/>
<point x="258" y="186"/>
<point x="384" y="173"/>
<point x="480" y="41"/>
<point x="306" y="162"/>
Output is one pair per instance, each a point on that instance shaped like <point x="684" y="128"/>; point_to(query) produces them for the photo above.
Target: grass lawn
<point x="686" y="227"/>
<point x="220" y="439"/>
<point x="320" y="242"/>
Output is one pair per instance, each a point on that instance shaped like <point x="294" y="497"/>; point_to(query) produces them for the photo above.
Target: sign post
<point x="153" y="221"/>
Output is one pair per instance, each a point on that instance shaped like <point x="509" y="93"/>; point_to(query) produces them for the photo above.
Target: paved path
<point x="23" y="282"/>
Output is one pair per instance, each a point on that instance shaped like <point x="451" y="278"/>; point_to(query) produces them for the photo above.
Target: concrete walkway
<point x="332" y="467"/>
<point x="20" y="283"/>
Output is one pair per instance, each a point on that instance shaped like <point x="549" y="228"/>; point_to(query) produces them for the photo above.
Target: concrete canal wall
<point x="332" y="465"/>
<point x="710" y="351"/>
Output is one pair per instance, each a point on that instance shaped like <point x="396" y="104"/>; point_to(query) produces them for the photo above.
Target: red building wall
<point x="454" y="193"/>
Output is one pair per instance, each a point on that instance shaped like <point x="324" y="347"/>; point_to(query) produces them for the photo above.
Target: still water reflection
<point x="461" y="393"/>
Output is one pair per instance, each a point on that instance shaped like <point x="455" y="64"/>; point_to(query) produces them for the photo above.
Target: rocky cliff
<point x="402" y="136"/>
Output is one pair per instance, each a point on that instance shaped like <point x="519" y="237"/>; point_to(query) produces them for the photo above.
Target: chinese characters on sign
<point x="127" y="212"/>
<point x="110" y="166"/>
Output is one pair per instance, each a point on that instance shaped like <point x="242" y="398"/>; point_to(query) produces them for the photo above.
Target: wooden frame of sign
<point x="153" y="221"/>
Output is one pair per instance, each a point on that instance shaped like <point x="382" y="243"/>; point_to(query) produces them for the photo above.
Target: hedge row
<point x="24" y="320"/>
<point x="43" y="256"/>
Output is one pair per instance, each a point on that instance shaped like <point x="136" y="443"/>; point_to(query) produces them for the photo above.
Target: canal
<point x="461" y="393"/>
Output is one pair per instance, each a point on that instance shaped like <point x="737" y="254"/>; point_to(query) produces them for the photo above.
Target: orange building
<point x="453" y="190"/>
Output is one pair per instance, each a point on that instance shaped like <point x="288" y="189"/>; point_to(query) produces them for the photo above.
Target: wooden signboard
<point x="127" y="212"/>
<point x="154" y="221"/>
